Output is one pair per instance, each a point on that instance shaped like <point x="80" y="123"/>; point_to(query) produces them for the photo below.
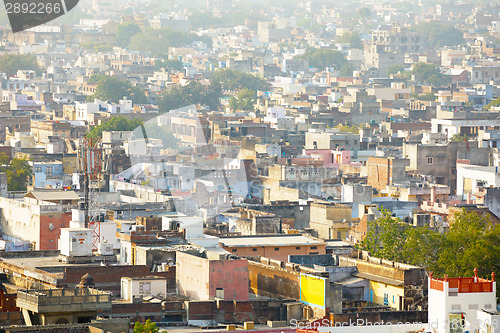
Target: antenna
<point x="91" y="159"/>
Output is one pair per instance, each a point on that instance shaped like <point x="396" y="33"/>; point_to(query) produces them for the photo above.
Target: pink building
<point x="205" y="279"/>
<point x="331" y="158"/>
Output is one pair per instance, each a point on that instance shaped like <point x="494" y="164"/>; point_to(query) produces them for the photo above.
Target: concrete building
<point x="63" y="306"/>
<point x="210" y="276"/>
<point x="277" y="247"/>
<point x="440" y="161"/>
<point x="386" y="171"/>
<point x="133" y="288"/>
<point x="330" y="220"/>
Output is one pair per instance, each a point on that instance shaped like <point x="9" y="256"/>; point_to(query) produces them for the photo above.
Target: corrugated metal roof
<point x="53" y="195"/>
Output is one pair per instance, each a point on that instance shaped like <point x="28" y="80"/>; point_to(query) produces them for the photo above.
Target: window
<point x="38" y="169"/>
<point x="145" y="288"/>
<point x="234" y="250"/>
<point x="473" y="307"/>
<point x="297" y="248"/>
<point x="254" y="250"/>
<point x="276" y="249"/>
<point x="386" y="299"/>
<point x="314" y="247"/>
<point x="48" y="171"/>
<point x="430" y="160"/>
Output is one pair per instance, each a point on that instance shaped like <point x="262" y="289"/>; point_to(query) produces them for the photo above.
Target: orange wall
<point x="49" y="239"/>
<point x="281" y="254"/>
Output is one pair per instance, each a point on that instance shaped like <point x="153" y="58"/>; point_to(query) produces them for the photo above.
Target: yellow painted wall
<point x="312" y="290"/>
<point x="379" y="289"/>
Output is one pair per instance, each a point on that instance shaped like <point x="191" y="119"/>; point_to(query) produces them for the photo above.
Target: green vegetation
<point x="119" y="124"/>
<point x="11" y="63"/>
<point x="424" y="73"/>
<point x="148" y="327"/>
<point x="169" y="64"/>
<point x="113" y="89"/>
<point x="157" y="41"/>
<point x="234" y="80"/>
<point x="436" y="35"/>
<point x="125" y="32"/>
<point x="396" y="69"/>
<point x="472" y="241"/>
<point x="348" y="128"/>
<point x="18" y="172"/>
<point x="495" y="102"/>
<point x="364" y="13"/>
<point x="424" y="97"/>
<point x="459" y="138"/>
<point x="97" y="47"/>
<point x="193" y="93"/>
<point x="352" y="39"/>
<point x="153" y="131"/>
<point x="244" y="100"/>
<point x="322" y="58"/>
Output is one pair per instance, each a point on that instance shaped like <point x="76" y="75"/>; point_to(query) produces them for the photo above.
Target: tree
<point x="459" y="138"/>
<point x="493" y="103"/>
<point x="192" y="93"/>
<point x="322" y="58"/>
<point x="125" y="32"/>
<point x="230" y="79"/>
<point x="386" y="237"/>
<point x="472" y="241"/>
<point x="113" y="89"/>
<point x="429" y="74"/>
<point x="119" y="124"/>
<point x="352" y="39"/>
<point x="244" y="100"/>
<point x="364" y="12"/>
<point x="395" y="69"/>
<point x="169" y="64"/>
<point x="11" y="63"/>
<point x="437" y="35"/>
<point x="147" y="327"/>
<point x="157" y="41"/>
<point x="18" y="172"/>
<point x="154" y="131"/>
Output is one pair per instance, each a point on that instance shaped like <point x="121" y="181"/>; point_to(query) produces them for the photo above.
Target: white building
<point x="131" y="288"/>
<point x="454" y="303"/>
<point x="470" y="177"/>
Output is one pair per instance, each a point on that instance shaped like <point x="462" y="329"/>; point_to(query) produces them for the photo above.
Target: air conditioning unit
<point x="106" y="249"/>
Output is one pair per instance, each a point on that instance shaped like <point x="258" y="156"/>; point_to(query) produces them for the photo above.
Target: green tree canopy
<point x="11" y="63"/>
<point x="395" y="69"/>
<point x="147" y="327"/>
<point x="352" y="39"/>
<point x="364" y="12"/>
<point x="119" y="124"/>
<point x="472" y="241"/>
<point x="459" y="138"/>
<point x="437" y="35"/>
<point x="113" y="89"/>
<point x="192" y="93"/>
<point x="322" y="58"/>
<point x="18" y="172"/>
<point x="495" y="102"/>
<point x="230" y="79"/>
<point x="157" y="41"/>
<point x="425" y="73"/>
<point x="244" y="100"/>
<point x="125" y="32"/>
<point x="168" y="64"/>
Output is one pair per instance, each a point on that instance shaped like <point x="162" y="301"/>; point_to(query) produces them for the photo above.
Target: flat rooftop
<point x="272" y="240"/>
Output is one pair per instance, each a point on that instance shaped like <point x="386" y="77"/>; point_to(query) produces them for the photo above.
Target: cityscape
<point x="300" y="166"/>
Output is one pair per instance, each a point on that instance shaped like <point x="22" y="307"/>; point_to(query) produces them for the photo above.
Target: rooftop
<point x="273" y="240"/>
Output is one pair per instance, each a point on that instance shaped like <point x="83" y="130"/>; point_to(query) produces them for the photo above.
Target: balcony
<point x="63" y="300"/>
